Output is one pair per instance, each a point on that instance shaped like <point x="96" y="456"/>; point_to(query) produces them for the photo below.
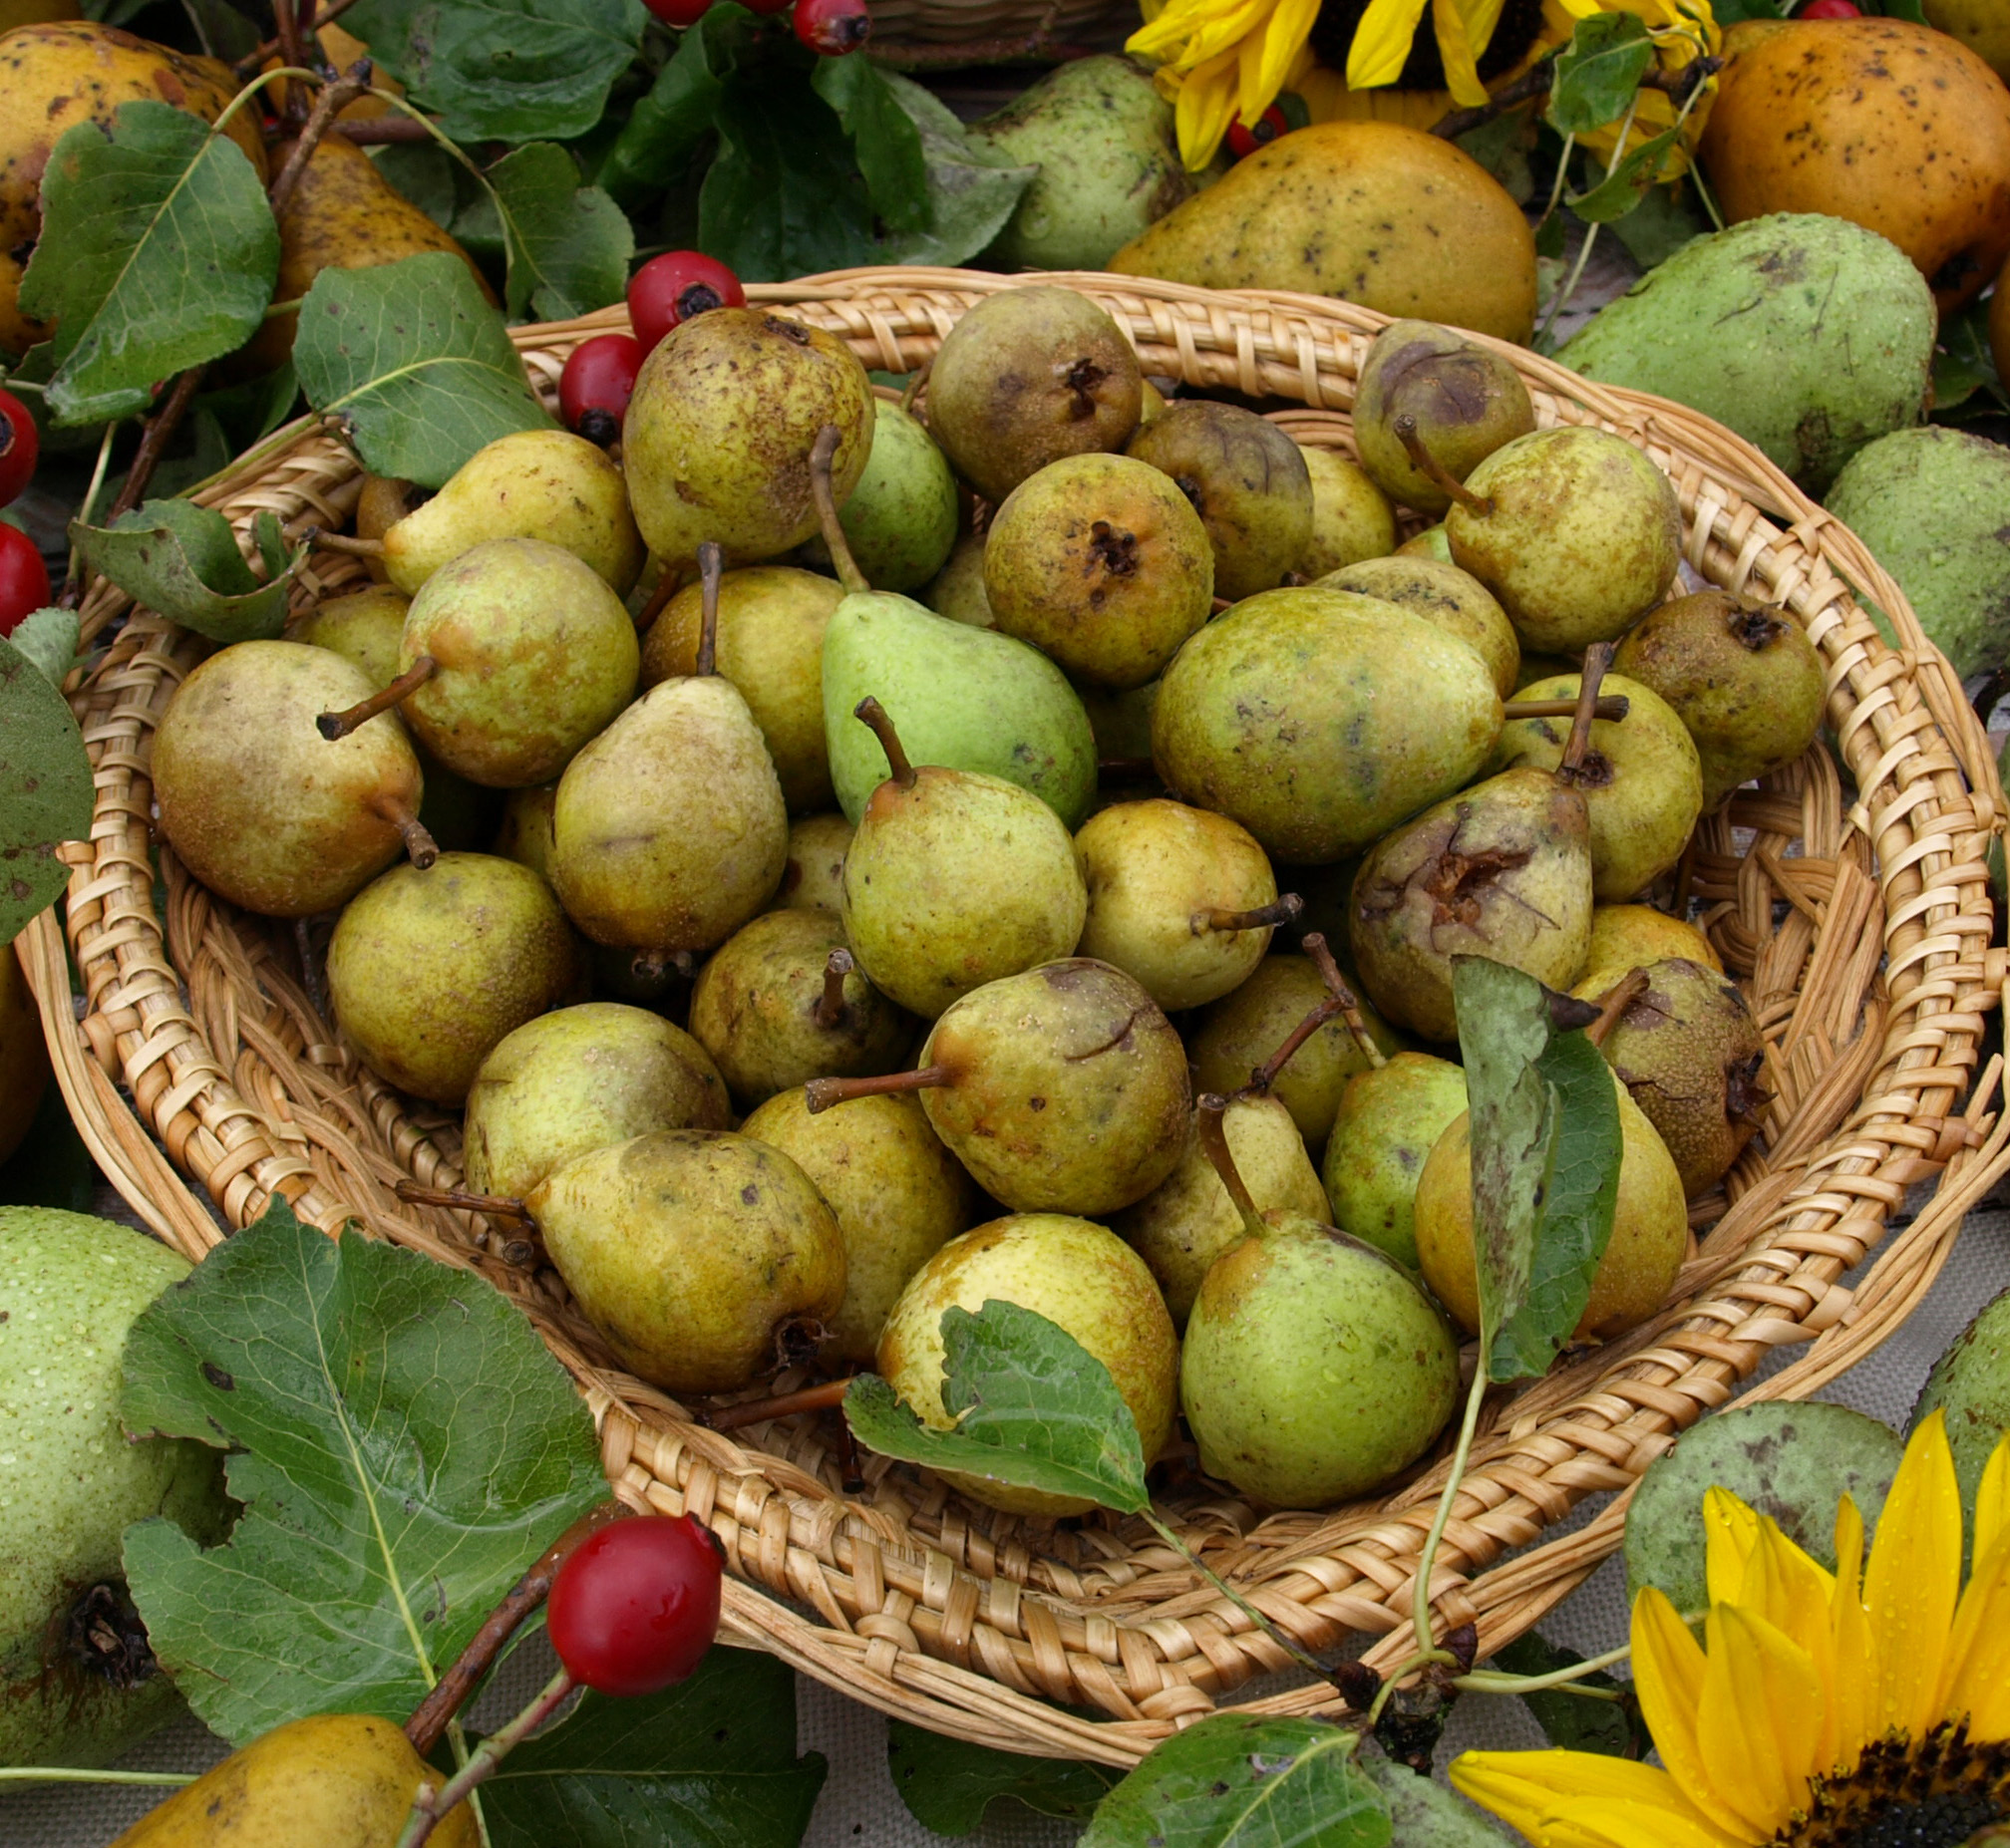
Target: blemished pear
<point x="812" y="877"/>
<point x="1352" y="520"/>
<point x="1388" y="1122"/>
<point x="1441" y="593"/>
<point x="1466" y="402"/>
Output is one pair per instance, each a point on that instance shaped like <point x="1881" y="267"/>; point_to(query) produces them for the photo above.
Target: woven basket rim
<point x="961" y="1624"/>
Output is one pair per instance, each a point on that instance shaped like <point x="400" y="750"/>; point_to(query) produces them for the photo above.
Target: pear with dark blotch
<point x="1441" y="593"/>
<point x="1388" y="1120"/>
<point x="1467" y="399"/>
<point x="813" y="876"/>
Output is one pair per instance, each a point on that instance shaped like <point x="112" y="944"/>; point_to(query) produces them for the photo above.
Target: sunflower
<point x="1222" y="60"/>
<point x="1821" y="1710"/>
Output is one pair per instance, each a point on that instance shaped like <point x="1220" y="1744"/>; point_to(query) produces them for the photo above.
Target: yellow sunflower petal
<point x="1459" y="52"/>
<point x="1382" y="42"/>
<point x="1910" y="1586"/>
<point x="1854" y="1682"/>
<point x="1729" y="1532"/>
<point x="1668" y="1673"/>
<point x="1978" y="1652"/>
<point x="1276" y="48"/>
<point x="1616" y="1824"/>
<point x="1761" y="1718"/>
<point x="1205" y="106"/>
<point x="1530" y="1788"/>
<point x="1793" y="1594"/>
<point x="1992" y="1498"/>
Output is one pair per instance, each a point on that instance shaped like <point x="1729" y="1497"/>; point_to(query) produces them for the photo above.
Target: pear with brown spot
<point x="1465" y="399"/>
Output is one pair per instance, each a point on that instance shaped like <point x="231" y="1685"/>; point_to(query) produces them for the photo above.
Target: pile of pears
<point x="849" y="856"/>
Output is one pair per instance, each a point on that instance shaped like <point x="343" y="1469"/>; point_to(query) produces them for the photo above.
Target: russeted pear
<point x="1080" y="1277"/>
<point x="958" y="590"/>
<point x="1351" y="517"/>
<point x="954" y="879"/>
<point x="1388" y="1120"/>
<point x="1651" y="1229"/>
<point x="1187" y="1221"/>
<point x="1182" y="900"/>
<point x="897" y="1194"/>
<point x="669" y="831"/>
<point x="545" y="485"/>
<point x="1741" y="676"/>
<point x="1688" y="1050"/>
<point x="524" y="832"/>
<point x="264" y="811"/>
<point x="1441" y="593"/>
<point x="427" y="971"/>
<point x="1640" y="777"/>
<point x="812" y="877"/>
<point x="717" y="438"/>
<point x="1027" y="376"/>
<point x="901" y="517"/>
<point x="772" y="620"/>
<point x="1627" y="937"/>
<point x="1062" y="1090"/>
<point x="1313" y="1368"/>
<point x="1465" y="399"/>
<point x="1280" y="715"/>
<point x="1100" y="562"/>
<point x="782" y="1001"/>
<point x="580" y="1078"/>
<point x="1248" y="483"/>
<point x="704" y="1258"/>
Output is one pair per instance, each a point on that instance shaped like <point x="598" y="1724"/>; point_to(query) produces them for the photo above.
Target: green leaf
<point x="1233" y="1781"/>
<point x="1423" y="1814"/>
<point x="45" y="790"/>
<point x="884" y="141"/>
<point x="948" y="1784"/>
<point x="708" y="1764"/>
<point x="1729" y="12"/>
<point x="183" y="560"/>
<point x="403" y="1443"/>
<point x="158" y="252"/>
<point x="1599" y="72"/>
<point x="666" y="126"/>
<point x="568" y="245"/>
<point x="1963" y="365"/>
<point x="1666" y="219"/>
<point x="1905" y="9"/>
<point x="1573" y="1722"/>
<point x="49" y="639"/>
<point x="417" y="365"/>
<point x="1626" y="185"/>
<point x="1034" y="1409"/>
<point x="972" y="188"/>
<point x="505" y="70"/>
<point x="426" y="173"/>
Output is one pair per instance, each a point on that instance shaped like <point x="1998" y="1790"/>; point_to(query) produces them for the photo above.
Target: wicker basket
<point x="1858" y="916"/>
<point x="973" y="22"/>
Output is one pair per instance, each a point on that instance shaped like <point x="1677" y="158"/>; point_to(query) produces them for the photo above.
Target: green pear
<point x="524" y="832"/>
<point x="363" y="626"/>
<point x="1351" y="517"/>
<point x="958" y="590"/>
<point x="706" y="1258"/>
<point x="1430" y="544"/>
<point x="901" y="517"/>
<point x="1441" y="593"/>
<point x="580" y="1078"/>
<point x="1970" y="1385"/>
<point x="1625" y="937"/>
<point x="812" y="877"/>
<point x="1465" y="401"/>
<point x="1388" y="1120"/>
<point x="545" y="485"/>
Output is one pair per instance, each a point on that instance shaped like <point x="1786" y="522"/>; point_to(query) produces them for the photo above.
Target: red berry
<point x="24" y="578"/>
<point x="1245" y="141"/>
<point x="598" y="381"/>
<point x="20" y="446"/>
<point x="670" y="289"/>
<point x="830" y="28"/>
<point x="1829" y="9"/>
<point x="679" y="12"/>
<point x="766" y="8"/>
<point x="637" y="1606"/>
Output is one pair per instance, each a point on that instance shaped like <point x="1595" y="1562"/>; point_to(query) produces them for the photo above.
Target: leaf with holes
<point x="45" y="790"/>
<point x="182" y="559"/>
<point x="1599" y="72"/>
<point x="404" y="1445"/>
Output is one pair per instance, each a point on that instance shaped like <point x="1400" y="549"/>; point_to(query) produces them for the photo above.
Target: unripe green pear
<point x="1388" y="1120"/>
<point x="958" y="590"/>
<point x="1467" y="402"/>
<point x="812" y="877"/>
<point x="1430" y="544"/>
<point x="1970" y="1384"/>
<point x="363" y="626"/>
<point x="1352" y="520"/>
<point x="524" y="832"/>
<point x="1441" y="593"/>
<point x="901" y="517"/>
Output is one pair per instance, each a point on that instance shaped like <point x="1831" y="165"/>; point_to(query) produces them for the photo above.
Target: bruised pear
<point x="813" y="876"/>
<point x="1466" y="402"/>
<point x="1441" y="593"/>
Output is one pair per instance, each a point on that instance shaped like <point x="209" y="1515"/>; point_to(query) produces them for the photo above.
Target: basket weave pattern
<point x="1856" y="916"/>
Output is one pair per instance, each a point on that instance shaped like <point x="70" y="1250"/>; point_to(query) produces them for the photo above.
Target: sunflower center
<point x="1935" y="1794"/>
<point x="1514" y="36"/>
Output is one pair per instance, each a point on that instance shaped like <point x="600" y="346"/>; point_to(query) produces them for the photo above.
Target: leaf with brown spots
<point x="45" y="790"/>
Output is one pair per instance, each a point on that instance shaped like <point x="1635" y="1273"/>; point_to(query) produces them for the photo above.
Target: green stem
<point x="1489" y="1680"/>
<point x="257" y="84"/>
<point x="1298" y="1655"/>
<point x="51" y="1774"/>
<point x="1562" y="174"/>
<point x="1420" y="1594"/>
<point x="75" y="574"/>
<point x="430" y="1806"/>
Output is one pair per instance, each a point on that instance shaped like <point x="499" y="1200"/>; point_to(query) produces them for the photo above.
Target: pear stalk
<point x="1596" y="660"/>
<point x="871" y="712"/>
<point x="420" y="847"/>
<point x="781" y="1405"/>
<point x="1210" y="1109"/>
<point x="1612" y="706"/>
<point x="1266" y="1075"/>
<point x="1614" y="1001"/>
<point x="711" y="564"/>
<point x="495" y="1205"/>
<point x="821" y="453"/>
<point x="1405" y="433"/>
<point x="1344" y="999"/>
<point x="339" y="725"/>
<point x="1280" y="910"/>
<point x="820" y="1094"/>
<point x="344" y="544"/>
<point x="830" y="1003"/>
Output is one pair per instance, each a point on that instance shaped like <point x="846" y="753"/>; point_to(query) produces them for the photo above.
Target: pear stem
<point x="431" y="1804"/>
<point x="1612" y="706"/>
<point x="830" y="1004"/>
<point x="711" y="563"/>
<point x="420" y="847"/>
<point x="915" y="380"/>
<point x="1344" y="999"/>
<point x="1279" y="910"/>
<point x="333" y="98"/>
<point x="1210" y="1109"/>
<point x="332" y="725"/>
<point x="1614" y="1001"/>
<point x="1266" y="1075"/>
<point x="821" y="1094"/>
<point x="668" y="583"/>
<point x="821" y="453"/>
<point x="870" y="712"/>
<point x="1440" y="477"/>
<point x="342" y="542"/>
<point x="495" y="1205"/>
<point x="782" y="1405"/>
<point x="1596" y="660"/>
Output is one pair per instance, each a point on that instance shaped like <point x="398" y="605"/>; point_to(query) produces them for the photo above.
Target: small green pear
<point x="1388" y="1120"/>
<point x="813" y="876"/>
<point x="363" y="626"/>
<point x="958" y="590"/>
<point x="1352" y="520"/>
<point x="901" y="517"/>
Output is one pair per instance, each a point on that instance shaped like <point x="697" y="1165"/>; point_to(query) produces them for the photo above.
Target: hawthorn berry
<point x="832" y="28"/>
<point x="1245" y="141"/>
<point x="24" y="578"/>
<point x="20" y="447"/>
<point x="598" y="381"/>
<point x="637" y="1606"/>
<point x="669" y="289"/>
<point x="679" y="12"/>
<point x="1829" y="9"/>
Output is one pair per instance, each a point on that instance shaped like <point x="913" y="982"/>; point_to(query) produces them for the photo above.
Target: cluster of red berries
<point x="24" y="578"/>
<point x="599" y="377"/>
<point x="829" y="28"/>
<point x="637" y="1606"/>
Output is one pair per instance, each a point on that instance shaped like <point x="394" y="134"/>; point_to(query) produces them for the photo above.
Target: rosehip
<point x="24" y="578"/>
<point x="637" y="1606"/>
<point x="832" y="28"/>
<point x="668" y="290"/>
<point x="1829" y="9"/>
<point x="20" y="446"/>
<point x="598" y="381"/>
<point x="679" y="12"/>
<point x="1245" y="141"/>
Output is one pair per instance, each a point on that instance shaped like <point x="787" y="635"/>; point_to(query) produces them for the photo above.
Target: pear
<point x="1467" y="402"/>
<point x="1627" y="937"/>
<point x="812" y="877"/>
<point x="1641" y="780"/>
<point x="1430" y="544"/>
<point x="1388" y="1120"/>
<point x="772" y="620"/>
<point x="383" y="502"/>
<point x="1970" y="1387"/>
<point x="1080" y="1277"/>
<point x="897" y="1194"/>
<point x="670" y="831"/>
<point x="580" y="1078"/>
<point x="1180" y="899"/>
<point x="1351" y="517"/>
<point x="1062" y="1090"/>
<point x="1441" y="593"/>
<point x="1187" y="1221"/>
<point x="427" y="971"/>
<point x="262" y="811"/>
<point x="1651" y="1229"/>
<point x="524" y="832"/>
<point x="1741" y="676"/>
<point x="782" y="1001"/>
<point x="1100" y="562"/>
<point x="544" y="485"/>
<point x="1026" y="376"/>
<point x="900" y="520"/>
<point x="705" y="1258"/>
<point x="1314" y="1370"/>
<point x="1246" y="479"/>
<point x="1120" y="723"/>
<point x="363" y="626"/>
<point x="718" y="434"/>
<point x="1280" y="715"/>
<point x="955" y="879"/>
<point x="958" y="590"/>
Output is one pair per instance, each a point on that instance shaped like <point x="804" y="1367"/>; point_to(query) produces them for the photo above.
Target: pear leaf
<point x="183" y="560"/>
<point x="973" y="187"/>
<point x="404" y="1444"/>
<point x="884" y="141"/>
<point x="949" y="1783"/>
<point x="46" y="793"/>
<point x="567" y="246"/>
<point x="418" y="366"/>
<point x="1599" y="72"/>
<point x="1625" y="185"/>
<point x="1240" y="1781"/>
<point x="1034" y="1409"/>
<point x="1573" y="1724"/>
<point x="48" y="638"/>
<point x="672" y="118"/>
